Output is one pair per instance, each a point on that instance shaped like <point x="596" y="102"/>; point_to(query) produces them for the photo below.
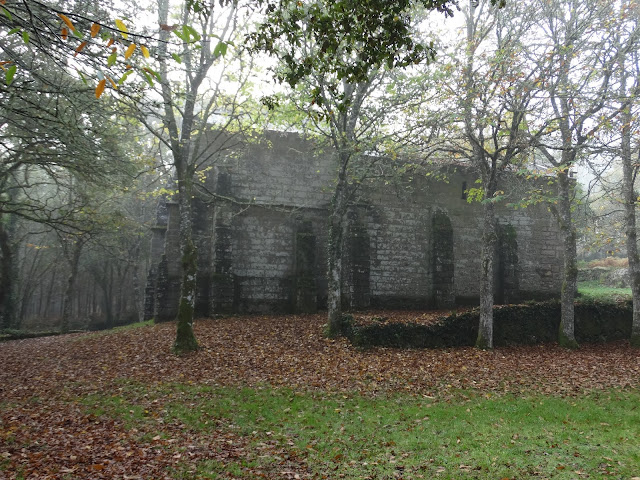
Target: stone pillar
<point x="441" y="261"/>
<point x="506" y="268"/>
<point x="356" y="265"/>
<point x="202" y="238"/>
<point x="157" y="249"/>
<point x="305" y="279"/>
<point x="169" y="269"/>
<point x="223" y="284"/>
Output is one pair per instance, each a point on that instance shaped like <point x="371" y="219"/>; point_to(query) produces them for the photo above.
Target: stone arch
<point x="356" y="287"/>
<point x="441" y="261"/>
<point x="506" y="269"/>
<point x="306" y="290"/>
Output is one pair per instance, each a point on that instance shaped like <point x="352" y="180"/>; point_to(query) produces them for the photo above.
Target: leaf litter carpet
<point x="46" y="431"/>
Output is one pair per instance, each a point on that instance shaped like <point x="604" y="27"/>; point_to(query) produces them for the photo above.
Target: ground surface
<point x="48" y="430"/>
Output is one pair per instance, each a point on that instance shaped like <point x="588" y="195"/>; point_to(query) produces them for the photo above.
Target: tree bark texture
<point x="8" y="314"/>
<point x="566" y="334"/>
<point x="489" y="239"/>
<point x="185" y="337"/>
<point x="74" y="261"/>
<point x="631" y="230"/>
<point x="335" y="246"/>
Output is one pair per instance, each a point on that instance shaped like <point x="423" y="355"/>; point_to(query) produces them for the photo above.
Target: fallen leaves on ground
<point x="44" y="433"/>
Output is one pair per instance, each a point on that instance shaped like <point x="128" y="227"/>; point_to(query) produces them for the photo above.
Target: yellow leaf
<point x="129" y="51"/>
<point x="64" y="33"/>
<point x="95" y="28"/>
<point x="123" y="28"/>
<point x="80" y="48"/>
<point x="66" y="20"/>
<point x="113" y="84"/>
<point x="100" y="88"/>
<point x="145" y="51"/>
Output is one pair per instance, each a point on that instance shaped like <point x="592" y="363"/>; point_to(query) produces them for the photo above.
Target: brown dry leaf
<point x="247" y="350"/>
<point x="100" y="87"/>
<point x="95" y="29"/>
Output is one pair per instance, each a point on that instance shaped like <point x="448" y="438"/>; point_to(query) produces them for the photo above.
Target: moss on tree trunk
<point x="566" y="334"/>
<point x="185" y="337"/>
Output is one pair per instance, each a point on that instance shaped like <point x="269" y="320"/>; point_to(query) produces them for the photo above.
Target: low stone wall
<point x="526" y="324"/>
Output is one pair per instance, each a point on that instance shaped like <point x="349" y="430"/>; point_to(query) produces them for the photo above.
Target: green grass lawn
<point x="593" y="290"/>
<point x="468" y="435"/>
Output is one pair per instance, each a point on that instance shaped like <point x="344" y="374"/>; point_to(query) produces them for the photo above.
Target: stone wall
<point x="414" y="244"/>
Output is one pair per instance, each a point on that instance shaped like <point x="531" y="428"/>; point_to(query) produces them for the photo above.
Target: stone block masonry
<point x="261" y="239"/>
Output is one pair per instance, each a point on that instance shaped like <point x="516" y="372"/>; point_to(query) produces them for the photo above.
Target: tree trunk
<point x="67" y="309"/>
<point x="185" y="337"/>
<point x="108" y="295"/>
<point x="8" y="317"/>
<point x="47" y="306"/>
<point x="630" y="225"/>
<point x="489" y="239"/>
<point x="138" y="298"/>
<point x="566" y="335"/>
<point x="334" y="252"/>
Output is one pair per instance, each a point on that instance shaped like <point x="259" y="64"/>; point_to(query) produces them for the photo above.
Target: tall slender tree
<point x="627" y="75"/>
<point x="492" y="87"/>
<point x="338" y="50"/>
<point x="194" y="104"/>
<point x="576" y="55"/>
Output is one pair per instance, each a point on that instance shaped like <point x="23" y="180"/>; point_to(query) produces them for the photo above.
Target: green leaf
<point x="124" y="77"/>
<point x="180" y="35"/>
<point x="176" y="57"/>
<point x="8" y="76"/>
<point x="148" y="78"/>
<point x="13" y="30"/>
<point x="25" y="37"/>
<point x="154" y="73"/>
<point x="7" y="14"/>
<point x="220" y="50"/>
<point x="191" y="32"/>
<point x="111" y="59"/>
<point x="82" y="77"/>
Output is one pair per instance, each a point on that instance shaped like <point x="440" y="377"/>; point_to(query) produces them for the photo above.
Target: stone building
<point x="416" y="244"/>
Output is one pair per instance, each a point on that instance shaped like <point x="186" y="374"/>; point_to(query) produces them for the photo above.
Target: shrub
<point x="617" y="262"/>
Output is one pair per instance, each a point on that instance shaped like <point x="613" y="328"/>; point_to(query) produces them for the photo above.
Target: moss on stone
<point x="531" y="323"/>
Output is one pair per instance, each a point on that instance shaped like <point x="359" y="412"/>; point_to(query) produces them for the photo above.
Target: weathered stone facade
<point x="261" y="240"/>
